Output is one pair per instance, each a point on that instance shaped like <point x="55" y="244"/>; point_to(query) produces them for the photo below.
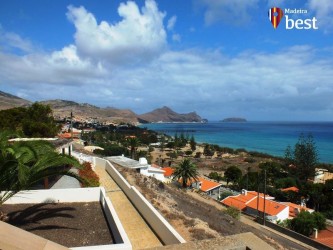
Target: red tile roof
<point x="168" y="171"/>
<point x="239" y="201"/>
<point x="294" y="189"/>
<point x="326" y="236"/>
<point x="294" y="209"/>
<point x="65" y="135"/>
<point x="271" y="207"/>
<point x="207" y="185"/>
<point x="249" y="199"/>
<point x="233" y="201"/>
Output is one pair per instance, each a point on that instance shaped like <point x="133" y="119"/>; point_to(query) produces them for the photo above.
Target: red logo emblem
<point x="275" y="15"/>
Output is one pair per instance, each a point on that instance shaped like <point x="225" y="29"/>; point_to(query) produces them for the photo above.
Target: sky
<point x="220" y="58"/>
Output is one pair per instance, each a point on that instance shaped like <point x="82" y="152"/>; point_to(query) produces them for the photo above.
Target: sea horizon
<point x="270" y="137"/>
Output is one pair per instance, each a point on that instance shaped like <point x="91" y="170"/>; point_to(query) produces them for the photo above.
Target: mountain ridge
<point x="86" y="112"/>
<point x="8" y="101"/>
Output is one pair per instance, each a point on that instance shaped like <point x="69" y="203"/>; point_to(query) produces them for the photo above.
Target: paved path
<point x="67" y="182"/>
<point x="138" y="232"/>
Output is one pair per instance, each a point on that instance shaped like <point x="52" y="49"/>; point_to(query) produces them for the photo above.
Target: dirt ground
<point x="68" y="224"/>
<point x="195" y="216"/>
<point x="216" y="163"/>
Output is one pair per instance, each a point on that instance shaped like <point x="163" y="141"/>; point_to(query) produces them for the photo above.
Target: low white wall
<point x="161" y="227"/>
<point x="55" y="195"/>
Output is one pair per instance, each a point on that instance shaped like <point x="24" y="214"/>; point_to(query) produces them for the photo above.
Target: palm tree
<point x="134" y="143"/>
<point x="185" y="171"/>
<point x="23" y="164"/>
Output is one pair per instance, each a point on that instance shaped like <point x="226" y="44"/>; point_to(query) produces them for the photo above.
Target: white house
<point x="141" y="166"/>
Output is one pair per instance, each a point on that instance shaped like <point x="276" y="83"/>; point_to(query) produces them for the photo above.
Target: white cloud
<point x="323" y="12"/>
<point x="171" y="22"/>
<point x="12" y="41"/>
<point x="139" y="36"/>
<point x="269" y="85"/>
<point x="237" y="12"/>
<point x="203" y="80"/>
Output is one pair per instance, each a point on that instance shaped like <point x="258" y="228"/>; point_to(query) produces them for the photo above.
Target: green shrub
<point x="250" y="160"/>
<point x="225" y="194"/>
<point x="233" y="212"/>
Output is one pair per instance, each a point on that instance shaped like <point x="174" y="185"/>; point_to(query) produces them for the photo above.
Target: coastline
<point x="271" y="138"/>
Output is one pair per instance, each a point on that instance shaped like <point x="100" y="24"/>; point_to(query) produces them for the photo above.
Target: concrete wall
<point x="56" y="195"/>
<point x="295" y="235"/>
<point x="284" y="214"/>
<point x="160" y="226"/>
<point x="80" y="195"/>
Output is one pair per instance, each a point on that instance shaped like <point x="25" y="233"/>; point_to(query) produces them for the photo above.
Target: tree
<point x="305" y="222"/>
<point x="23" y="164"/>
<point x="304" y="156"/>
<point x="193" y="144"/>
<point x="134" y="143"/>
<point x="232" y="174"/>
<point x="33" y="121"/>
<point x="185" y="171"/>
<point x="273" y="171"/>
<point x="207" y="151"/>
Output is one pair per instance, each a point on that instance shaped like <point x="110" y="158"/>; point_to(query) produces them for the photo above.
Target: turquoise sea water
<point x="266" y="137"/>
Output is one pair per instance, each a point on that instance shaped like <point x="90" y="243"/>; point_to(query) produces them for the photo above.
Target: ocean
<point x="266" y="137"/>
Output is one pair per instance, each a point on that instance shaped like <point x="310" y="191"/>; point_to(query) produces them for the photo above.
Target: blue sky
<point x="219" y="58"/>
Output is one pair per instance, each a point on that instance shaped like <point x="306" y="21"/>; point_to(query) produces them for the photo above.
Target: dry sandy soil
<point x="209" y="164"/>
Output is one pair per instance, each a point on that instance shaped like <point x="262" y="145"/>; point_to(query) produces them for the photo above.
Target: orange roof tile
<point x="232" y="201"/>
<point x="293" y="208"/>
<point x="271" y="207"/>
<point x="65" y="135"/>
<point x="207" y="185"/>
<point x="240" y="200"/>
<point x="294" y="189"/>
<point x="326" y="236"/>
<point x="168" y="171"/>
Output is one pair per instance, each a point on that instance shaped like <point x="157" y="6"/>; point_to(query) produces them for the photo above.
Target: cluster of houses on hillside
<point x="254" y="203"/>
<point x="249" y="202"/>
<point x="165" y="174"/>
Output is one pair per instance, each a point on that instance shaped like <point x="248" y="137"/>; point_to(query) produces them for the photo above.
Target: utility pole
<point x="265" y="200"/>
<point x="258" y="195"/>
<point x="71" y="124"/>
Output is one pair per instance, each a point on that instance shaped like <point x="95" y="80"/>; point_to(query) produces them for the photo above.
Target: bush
<point x="305" y="222"/>
<point x="89" y="175"/>
<point x="233" y="212"/>
<point x="188" y="152"/>
<point x="250" y="160"/>
<point x="225" y="194"/>
<point x="215" y="176"/>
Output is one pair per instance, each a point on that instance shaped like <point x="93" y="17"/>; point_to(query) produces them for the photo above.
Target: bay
<point x="266" y="137"/>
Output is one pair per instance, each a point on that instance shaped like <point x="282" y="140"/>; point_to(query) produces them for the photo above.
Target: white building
<point x="141" y="166"/>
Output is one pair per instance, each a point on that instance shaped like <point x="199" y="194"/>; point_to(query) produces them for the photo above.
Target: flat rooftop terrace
<point x="125" y="162"/>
